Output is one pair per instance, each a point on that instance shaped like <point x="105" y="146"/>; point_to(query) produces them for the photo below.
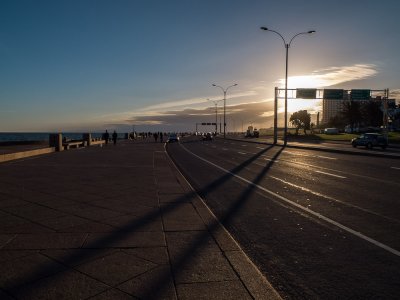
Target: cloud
<point x="242" y="106"/>
<point x="260" y="114"/>
<point x="331" y="76"/>
<point x="173" y="104"/>
<point x="395" y="93"/>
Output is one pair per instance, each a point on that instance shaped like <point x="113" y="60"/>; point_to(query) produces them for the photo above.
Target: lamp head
<point x="263" y="28"/>
<point x="312" y="31"/>
<point x="213" y="84"/>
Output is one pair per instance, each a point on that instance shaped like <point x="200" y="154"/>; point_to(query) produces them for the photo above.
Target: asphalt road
<point x="318" y="225"/>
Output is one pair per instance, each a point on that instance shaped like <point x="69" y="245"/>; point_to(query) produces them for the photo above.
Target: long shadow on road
<point x="159" y="284"/>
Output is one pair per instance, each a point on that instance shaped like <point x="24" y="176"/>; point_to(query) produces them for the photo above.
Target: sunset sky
<point x="89" y="65"/>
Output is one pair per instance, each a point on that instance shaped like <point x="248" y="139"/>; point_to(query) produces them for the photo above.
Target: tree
<point x="301" y="119"/>
<point x="372" y="113"/>
<point x="351" y="113"/>
<point x="336" y="122"/>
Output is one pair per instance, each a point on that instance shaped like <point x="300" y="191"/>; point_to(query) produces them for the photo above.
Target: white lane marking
<point x="265" y="157"/>
<point x="271" y="159"/>
<point x="396" y="168"/>
<point x="243" y="145"/>
<point x="225" y="149"/>
<point x="311" y="155"/>
<point x="332" y="199"/>
<point x="326" y="157"/>
<point x="260" y="148"/>
<point x="243" y="153"/>
<point x="318" y="215"/>
<point x="330" y="174"/>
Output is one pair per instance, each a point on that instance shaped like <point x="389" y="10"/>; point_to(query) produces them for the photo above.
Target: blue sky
<point x="89" y="65"/>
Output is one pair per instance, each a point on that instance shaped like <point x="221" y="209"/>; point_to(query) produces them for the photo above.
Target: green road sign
<point x="360" y="94"/>
<point x="306" y="93"/>
<point x="335" y="94"/>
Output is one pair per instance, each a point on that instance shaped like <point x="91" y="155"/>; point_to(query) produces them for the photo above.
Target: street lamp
<point x="224" y="91"/>
<point x="216" y="113"/>
<point x="287" y="45"/>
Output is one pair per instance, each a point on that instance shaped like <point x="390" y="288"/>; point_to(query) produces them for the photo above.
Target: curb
<point x="254" y="281"/>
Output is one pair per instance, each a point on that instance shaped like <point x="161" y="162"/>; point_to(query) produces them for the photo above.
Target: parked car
<point x="331" y="131"/>
<point x="173" y="138"/>
<point x="370" y="140"/>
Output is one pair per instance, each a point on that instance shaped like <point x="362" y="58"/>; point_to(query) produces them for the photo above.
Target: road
<point x="317" y="224"/>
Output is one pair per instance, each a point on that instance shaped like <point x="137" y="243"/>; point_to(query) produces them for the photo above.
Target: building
<point x="333" y="107"/>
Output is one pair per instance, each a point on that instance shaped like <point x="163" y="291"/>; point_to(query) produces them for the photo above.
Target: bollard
<point x="87" y="137"/>
<point x="55" y="140"/>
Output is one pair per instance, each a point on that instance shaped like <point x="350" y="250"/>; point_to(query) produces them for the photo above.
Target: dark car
<point x="172" y="138"/>
<point x="370" y="140"/>
<point x="207" y="136"/>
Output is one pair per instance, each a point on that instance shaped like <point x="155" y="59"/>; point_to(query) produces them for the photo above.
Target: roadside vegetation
<point x="355" y="118"/>
<point x="394" y="137"/>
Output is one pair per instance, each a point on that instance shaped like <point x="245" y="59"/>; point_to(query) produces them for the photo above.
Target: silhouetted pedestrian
<point x="106" y="137"/>
<point x="114" y="137"/>
<point x="155" y="135"/>
<point x="161" y="137"/>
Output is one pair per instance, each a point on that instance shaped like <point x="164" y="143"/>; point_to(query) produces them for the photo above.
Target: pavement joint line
<point x="266" y="287"/>
<point x="163" y="223"/>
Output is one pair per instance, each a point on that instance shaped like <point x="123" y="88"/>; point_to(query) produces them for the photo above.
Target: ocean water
<point x="44" y="136"/>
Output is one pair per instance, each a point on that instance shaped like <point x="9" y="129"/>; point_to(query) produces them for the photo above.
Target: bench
<point x="74" y="144"/>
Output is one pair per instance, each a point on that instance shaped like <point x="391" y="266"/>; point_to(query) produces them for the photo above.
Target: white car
<point x="172" y="138"/>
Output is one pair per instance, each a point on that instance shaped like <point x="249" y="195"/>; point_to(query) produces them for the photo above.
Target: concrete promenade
<point x="114" y="222"/>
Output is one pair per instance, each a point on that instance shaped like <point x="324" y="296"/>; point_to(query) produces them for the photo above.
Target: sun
<point x="300" y="104"/>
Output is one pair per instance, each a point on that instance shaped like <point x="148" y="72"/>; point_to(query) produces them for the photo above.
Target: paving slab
<point x="114" y="222"/>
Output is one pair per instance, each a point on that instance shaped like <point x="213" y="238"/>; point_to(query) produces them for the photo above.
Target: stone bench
<point x="74" y="144"/>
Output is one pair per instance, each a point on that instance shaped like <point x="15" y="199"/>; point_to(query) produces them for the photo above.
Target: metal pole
<point x="224" y="91"/>
<point x="287" y="45"/>
<point x="216" y="117"/>
<point x="275" y="117"/>
<point x="224" y="111"/>
<point x="286" y="84"/>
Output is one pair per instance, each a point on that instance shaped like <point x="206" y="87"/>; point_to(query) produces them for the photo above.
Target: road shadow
<point x="24" y="287"/>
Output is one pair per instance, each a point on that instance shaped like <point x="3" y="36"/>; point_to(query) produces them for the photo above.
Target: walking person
<point x="155" y="135"/>
<point x="114" y="137"/>
<point x="161" y="137"/>
<point x="106" y="137"/>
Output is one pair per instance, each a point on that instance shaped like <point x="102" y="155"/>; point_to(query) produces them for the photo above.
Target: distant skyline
<point x="90" y="65"/>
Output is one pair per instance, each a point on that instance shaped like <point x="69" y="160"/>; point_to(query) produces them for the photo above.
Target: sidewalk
<point x="114" y="222"/>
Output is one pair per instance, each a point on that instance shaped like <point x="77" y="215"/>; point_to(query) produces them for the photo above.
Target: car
<point x="173" y="138"/>
<point x="207" y="136"/>
<point x="370" y="140"/>
<point x="331" y="131"/>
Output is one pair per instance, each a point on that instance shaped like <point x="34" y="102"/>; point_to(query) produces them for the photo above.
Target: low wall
<point x="25" y="154"/>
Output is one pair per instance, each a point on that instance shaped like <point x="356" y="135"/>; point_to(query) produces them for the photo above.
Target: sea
<point x="44" y="136"/>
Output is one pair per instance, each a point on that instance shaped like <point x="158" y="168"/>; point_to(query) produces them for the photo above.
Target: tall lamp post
<point x="287" y="45"/>
<point x="216" y="113"/>
<point x="224" y="91"/>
